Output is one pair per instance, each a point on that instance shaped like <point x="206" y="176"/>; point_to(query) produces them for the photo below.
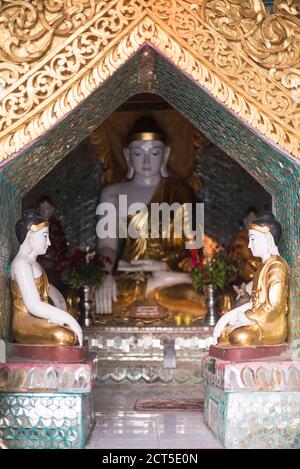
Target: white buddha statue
<point x="147" y="182"/>
<point x="35" y="320"/>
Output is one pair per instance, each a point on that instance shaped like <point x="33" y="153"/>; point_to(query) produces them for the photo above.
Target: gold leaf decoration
<point x="55" y="53"/>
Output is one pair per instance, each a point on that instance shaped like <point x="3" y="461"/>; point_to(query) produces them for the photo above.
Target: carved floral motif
<point x="54" y="53"/>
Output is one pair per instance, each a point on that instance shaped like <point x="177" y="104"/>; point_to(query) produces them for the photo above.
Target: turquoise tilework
<point x="45" y="420"/>
<point x="260" y="420"/>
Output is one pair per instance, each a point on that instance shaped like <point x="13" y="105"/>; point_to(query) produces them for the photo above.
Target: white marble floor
<point x="117" y="425"/>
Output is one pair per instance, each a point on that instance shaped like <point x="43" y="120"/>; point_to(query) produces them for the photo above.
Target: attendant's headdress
<point x="29" y="221"/>
<point x="265" y="222"/>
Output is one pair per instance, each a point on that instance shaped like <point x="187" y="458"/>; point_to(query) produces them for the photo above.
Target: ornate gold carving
<point x="271" y="40"/>
<point x="29" y="27"/>
<point x="56" y="52"/>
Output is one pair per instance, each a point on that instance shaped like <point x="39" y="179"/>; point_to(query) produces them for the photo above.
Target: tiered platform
<point x="45" y="396"/>
<point x="166" y="354"/>
<point x="254" y="403"/>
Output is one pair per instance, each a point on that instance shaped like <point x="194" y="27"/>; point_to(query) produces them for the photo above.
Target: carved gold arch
<point x="54" y="53"/>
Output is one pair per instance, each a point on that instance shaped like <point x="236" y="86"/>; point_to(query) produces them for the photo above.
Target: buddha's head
<point x="32" y="232"/>
<point x="147" y="151"/>
<point x="264" y="235"/>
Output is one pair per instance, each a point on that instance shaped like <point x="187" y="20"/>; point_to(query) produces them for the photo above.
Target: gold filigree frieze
<point x="242" y="85"/>
<point x="62" y="82"/>
<point x="66" y="65"/>
<point x="272" y="40"/>
<point x="28" y="28"/>
<point x="193" y="34"/>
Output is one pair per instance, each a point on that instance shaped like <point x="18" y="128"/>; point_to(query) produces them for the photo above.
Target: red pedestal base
<point x="47" y="353"/>
<point x="241" y="354"/>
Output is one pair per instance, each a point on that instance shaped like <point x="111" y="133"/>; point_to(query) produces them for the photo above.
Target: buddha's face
<point x="146" y="157"/>
<point x="258" y="243"/>
<point x="40" y="241"/>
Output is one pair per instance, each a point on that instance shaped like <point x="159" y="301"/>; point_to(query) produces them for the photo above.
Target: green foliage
<point x="83" y="269"/>
<point x="222" y="270"/>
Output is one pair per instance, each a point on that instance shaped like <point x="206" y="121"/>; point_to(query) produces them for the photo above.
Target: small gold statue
<point x="263" y="320"/>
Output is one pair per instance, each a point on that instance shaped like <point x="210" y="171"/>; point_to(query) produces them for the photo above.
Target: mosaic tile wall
<point x="228" y="190"/>
<point x="73" y="186"/>
<point x="276" y="172"/>
<point x="9" y="198"/>
<point x="45" y="420"/>
<point x="253" y="420"/>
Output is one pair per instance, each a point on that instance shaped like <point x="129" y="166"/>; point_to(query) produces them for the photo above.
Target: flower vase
<point x="87" y="304"/>
<point x="211" y="301"/>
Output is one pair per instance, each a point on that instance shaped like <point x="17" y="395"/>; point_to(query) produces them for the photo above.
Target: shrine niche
<point x="230" y="70"/>
<point x="239" y="88"/>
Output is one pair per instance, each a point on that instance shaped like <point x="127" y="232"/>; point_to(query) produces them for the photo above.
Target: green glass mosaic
<point x="9" y="210"/>
<point x="253" y="420"/>
<point x="45" y="420"/>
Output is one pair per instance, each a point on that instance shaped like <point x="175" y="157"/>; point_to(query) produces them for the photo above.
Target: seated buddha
<point x="35" y="319"/>
<point x="262" y="320"/>
<point x="158" y="257"/>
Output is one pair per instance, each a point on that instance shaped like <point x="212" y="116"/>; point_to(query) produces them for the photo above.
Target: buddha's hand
<point x="165" y="279"/>
<point x="146" y="265"/>
<point x="240" y="290"/>
<point x="234" y="318"/>
<point x="74" y="326"/>
<point x="186" y="264"/>
<point x="242" y="294"/>
<point x="105" y="295"/>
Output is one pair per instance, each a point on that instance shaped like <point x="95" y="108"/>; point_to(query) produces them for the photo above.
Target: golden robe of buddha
<point x="28" y="329"/>
<point x="180" y="297"/>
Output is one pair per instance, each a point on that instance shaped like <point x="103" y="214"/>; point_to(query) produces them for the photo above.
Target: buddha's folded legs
<point x="254" y="334"/>
<point x="180" y="298"/>
<point x="33" y="330"/>
<point x="246" y="336"/>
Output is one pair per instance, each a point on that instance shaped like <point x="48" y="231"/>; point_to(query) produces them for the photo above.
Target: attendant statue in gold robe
<point x="148" y="183"/>
<point x="263" y="320"/>
<point x="35" y="319"/>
